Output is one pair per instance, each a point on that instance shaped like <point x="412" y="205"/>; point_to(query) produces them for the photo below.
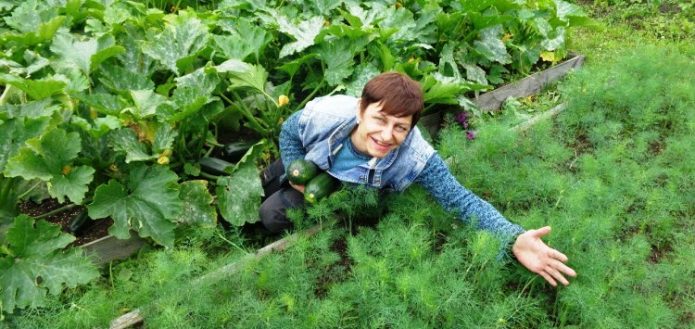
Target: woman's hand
<point x="299" y="188"/>
<point x="536" y="256"/>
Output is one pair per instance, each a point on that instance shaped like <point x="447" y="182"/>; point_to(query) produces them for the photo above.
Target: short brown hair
<point x="400" y="95"/>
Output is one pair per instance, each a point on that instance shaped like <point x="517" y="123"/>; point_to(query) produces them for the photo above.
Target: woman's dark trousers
<point x="280" y="196"/>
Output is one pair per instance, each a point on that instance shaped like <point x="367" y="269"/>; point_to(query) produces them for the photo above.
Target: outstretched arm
<point x="528" y="248"/>
<point x="443" y="186"/>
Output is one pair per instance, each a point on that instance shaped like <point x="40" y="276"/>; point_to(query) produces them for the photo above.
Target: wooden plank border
<point x="531" y="85"/>
<point x="110" y="248"/>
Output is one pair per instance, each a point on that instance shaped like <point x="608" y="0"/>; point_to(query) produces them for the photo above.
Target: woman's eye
<point x="380" y="119"/>
<point x="401" y="129"/>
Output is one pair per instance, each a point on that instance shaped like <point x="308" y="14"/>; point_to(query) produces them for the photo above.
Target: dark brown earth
<point x="90" y="231"/>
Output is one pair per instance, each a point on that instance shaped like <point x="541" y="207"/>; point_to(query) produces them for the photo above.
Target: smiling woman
<point x="385" y="117"/>
<point x="373" y="141"/>
<point x="378" y="132"/>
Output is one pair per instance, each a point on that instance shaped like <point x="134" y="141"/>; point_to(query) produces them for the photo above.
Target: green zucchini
<point x="233" y="152"/>
<point x="319" y="187"/>
<point x="215" y="166"/>
<point x="300" y="171"/>
<point x="78" y="222"/>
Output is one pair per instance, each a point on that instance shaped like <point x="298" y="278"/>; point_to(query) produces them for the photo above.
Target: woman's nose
<point x="387" y="134"/>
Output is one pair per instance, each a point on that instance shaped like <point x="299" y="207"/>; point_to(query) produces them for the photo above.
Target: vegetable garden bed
<point x="619" y="208"/>
<point x="112" y="107"/>
<point x="104" y="248"/>
<point x="574" y="184"/>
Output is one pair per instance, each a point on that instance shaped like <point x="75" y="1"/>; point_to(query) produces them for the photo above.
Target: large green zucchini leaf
<point x="33" y="262"/>
<point x="149" y="204"/>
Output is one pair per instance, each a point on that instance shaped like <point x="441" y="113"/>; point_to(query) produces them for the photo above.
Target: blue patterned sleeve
<point x="291" y="147"/>
<point x="443" y="186"/>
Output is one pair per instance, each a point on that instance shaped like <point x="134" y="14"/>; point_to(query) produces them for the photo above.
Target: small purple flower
<point x="462" y="117"/>
<point x="470" y="135"/>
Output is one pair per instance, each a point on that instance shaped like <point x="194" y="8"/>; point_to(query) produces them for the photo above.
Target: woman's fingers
<point x="557" y="275"/>
<point x="299" y="188"/>
<point x="563" y="268"/>
<point x="541" y="231"/>
<point x="558" y="255"/>
<point x="548" y="278"/>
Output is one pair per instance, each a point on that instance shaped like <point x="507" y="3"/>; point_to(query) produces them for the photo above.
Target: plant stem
<point x="311" y="95"/>
<point x="245" y="111"/>
<point x="209" y="176"/>
<point x="270" y="98"/>
<point x="21" y="196"/>
<point x="232" y="243"/>
<point x="4" y="96"/>
<point x="56" y="211"/>
<point x="111" y="275"/>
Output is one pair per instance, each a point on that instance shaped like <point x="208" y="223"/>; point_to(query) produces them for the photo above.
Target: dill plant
<point x="631" y="115"/>
<point x="615" y="183"/>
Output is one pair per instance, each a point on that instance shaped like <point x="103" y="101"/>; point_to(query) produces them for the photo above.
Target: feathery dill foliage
<point x="614" y="179"/>
<point x="351" y="203"/>
<point x="629" y="123"/>
<point x="515" y="173"/>
<point x="612" y="175"/>
<point x="387" y="276"/>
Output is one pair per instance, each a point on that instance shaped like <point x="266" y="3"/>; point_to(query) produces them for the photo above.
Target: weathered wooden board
<point x="528" y="86"/>
<point x="109" y="248"/>
<point x="539" y="117"/>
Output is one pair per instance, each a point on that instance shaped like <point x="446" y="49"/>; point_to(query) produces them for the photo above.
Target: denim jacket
<point x="324" y="124"/>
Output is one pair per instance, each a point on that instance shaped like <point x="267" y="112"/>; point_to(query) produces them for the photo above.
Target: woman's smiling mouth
<point x="383" y="147"/>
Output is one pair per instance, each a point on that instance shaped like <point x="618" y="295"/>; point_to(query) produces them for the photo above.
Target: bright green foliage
<point x="125" y="140"/>
<point x="35" y="22"/>
<point x="148" y="203"/>
<point x="664" y="19"/>
<point x="83" y="55"/>
<point x="50" y="158"/>
<point x="244" y="75"/>
<point x="146" y="102"/>
<point x="304" y="32"/>
<point x="33" y="262"/>
<point x="245" y="39"/>
<point x="338" y="56"/>
<point x="183" y="36"/>
<point x="9" y="195"/>
<point x="607" y="179"/>
<point x="36" y="89"/>
<point x="15" y="132"/>
<point x="491" y="45"/>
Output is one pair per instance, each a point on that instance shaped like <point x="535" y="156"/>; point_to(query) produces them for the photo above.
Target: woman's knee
<point x="273" y="211"/>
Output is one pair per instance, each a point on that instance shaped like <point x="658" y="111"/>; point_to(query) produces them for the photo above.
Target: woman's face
<point x="378" y="133"/>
